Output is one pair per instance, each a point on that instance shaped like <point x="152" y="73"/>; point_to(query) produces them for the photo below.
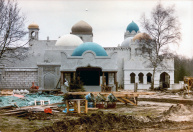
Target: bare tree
<point x="164" y="28"/>
<point x="11" y="29"/>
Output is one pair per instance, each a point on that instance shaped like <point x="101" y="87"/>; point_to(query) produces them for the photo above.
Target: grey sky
<point x="108" y="18"/>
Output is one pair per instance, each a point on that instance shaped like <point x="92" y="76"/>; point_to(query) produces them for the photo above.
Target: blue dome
<point x="99" y="51"/>
<point x="132" y="26"/>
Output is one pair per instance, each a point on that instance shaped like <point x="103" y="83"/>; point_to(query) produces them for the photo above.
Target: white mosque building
<point x="51" y="62"/>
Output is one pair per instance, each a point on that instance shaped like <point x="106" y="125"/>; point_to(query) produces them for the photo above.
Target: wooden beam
<point x="78" y="107"/>
<point x="103" y="79"/>
<point x="67" y="105"/>
<point x="121" y="100"/>
<point x="86" y="106"/>
<point x="93" y="108"/>
<point x="115" y="93"/>
<point x="74" y="75"/>
<point x="129" y="101"/>
<point x="62" y="79"/>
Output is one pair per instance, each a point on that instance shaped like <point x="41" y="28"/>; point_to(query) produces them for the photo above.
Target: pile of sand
<point x="178" y="113"/>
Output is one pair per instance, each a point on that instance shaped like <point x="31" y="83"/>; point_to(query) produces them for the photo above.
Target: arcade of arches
<point x="164" y="78"/>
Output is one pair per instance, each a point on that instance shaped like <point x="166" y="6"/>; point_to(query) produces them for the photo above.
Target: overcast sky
<point x="108" y="18"/>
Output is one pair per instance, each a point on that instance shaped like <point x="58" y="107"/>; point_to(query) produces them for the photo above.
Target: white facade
<point x="46" y="63"/>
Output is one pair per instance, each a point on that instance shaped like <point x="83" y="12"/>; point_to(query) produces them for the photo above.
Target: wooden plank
<point x="121" y="100"/>
<point x="12" y="113"/>
<point x="124" y="95"/>
<point x="55" y="111"/>
<point x="86" y="106"/>
<point x="67" y="105"/>
<point x="120" y="93"/>
<point x="6" y="107"/>
<point x="93" y="108"/>
<point x="134" y="100"/>
<point x="129" y="101"/>
<point x="78" y="105"/>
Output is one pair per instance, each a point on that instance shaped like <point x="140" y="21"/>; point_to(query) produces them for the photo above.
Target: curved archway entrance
<point x="132" y="76"/>
<point x="140" y="77"/>
<point x="90" y="76"/>
<point x="165" y="80"/>
<point x="149" y="75"/>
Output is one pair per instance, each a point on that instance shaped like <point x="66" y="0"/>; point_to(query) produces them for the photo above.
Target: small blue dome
<point x="132" y="26"/>
<point x="99" y="50"/>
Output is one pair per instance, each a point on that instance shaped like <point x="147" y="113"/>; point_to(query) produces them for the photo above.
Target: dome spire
<point x="132" y="27"/>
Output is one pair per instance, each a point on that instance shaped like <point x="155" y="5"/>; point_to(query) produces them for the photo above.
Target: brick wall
<point x="18" y="79"/>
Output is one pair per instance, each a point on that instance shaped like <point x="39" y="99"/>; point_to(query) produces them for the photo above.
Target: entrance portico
<point x="92" y="70"/>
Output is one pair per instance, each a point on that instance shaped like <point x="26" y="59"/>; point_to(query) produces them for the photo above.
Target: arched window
<point x="140" y="77"/>
<point x="132" y="76"/>
<point x="165" y="80"/>
<point x="149" y="75"/>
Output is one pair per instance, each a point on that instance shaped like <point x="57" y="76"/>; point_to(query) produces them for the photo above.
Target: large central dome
<point x="81" y="27"/>
<point x="96" y="48"/>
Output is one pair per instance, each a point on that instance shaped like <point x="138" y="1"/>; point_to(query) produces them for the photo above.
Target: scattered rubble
<point x="111" y="122"/>
<point x="171" y="117"/>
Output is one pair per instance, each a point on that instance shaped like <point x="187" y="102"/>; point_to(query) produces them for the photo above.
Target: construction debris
<point x="6" y="92"/>
<point x="22" y="110"/>
<point x="29" y="100"/>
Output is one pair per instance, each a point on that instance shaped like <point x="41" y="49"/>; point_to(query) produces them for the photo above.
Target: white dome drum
<point x="126" y="42"/>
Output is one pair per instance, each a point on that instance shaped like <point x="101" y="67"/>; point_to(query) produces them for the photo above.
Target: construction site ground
<point x="168" y="112"/>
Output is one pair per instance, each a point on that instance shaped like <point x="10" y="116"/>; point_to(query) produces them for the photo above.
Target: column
<point x="62" y="79"/>
<point x="136" y="78"/>
<point x="102" y="82"/>
<point x="145" y="79"/>
<point x="115" y="77"/>
<point x="103" y="78"/>
<point x="74" y="75"/>
<point x="111" y="78"/>
<point x="115" y="81"/>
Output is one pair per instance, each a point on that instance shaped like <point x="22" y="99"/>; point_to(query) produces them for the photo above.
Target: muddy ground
<point x="150" y="115"/>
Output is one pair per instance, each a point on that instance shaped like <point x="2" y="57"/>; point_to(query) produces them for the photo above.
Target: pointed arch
<point x="165" y="80"/>
<point x="140" y="75"/>
<point x="132" y="77"/>
<point x="149" y="76"/>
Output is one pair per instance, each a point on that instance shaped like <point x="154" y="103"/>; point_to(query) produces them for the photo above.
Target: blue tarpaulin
<point x="29" y="99"/>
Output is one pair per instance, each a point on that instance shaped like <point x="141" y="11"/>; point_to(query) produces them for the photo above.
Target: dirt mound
<point x="178" y="113"/>
<point x="37" y="116"/>
<point x="179" y="109"/>
<point x="95" y="122"/>
<point x="105" y="122"/>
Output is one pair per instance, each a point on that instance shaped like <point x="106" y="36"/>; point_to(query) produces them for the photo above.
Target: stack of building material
<point x="27" y="109"/>
<point x="6" y="92"/>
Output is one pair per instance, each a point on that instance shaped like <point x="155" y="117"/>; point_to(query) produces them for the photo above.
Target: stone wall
<point x="18" y="79"/>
